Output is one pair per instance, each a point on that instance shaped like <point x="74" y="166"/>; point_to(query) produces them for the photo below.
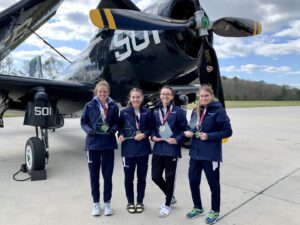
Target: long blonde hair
<point x="206" y="88"/>
<point x="102" y="82"/>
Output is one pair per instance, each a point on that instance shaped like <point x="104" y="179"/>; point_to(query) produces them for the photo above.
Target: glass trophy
<point x="165" y="131"/>
<point x="128" y="131"/>
<point x="192" y="126"/>
<point x="101" y="126"/>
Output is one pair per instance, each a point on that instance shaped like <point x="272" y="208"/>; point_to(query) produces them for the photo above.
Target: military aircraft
<point x="168" y="43"/>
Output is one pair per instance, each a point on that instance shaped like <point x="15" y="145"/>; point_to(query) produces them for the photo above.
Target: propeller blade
<point x="123" y="19"/>
<point x="208" y="69"/>
<point x="236" y="27"/>
<point x="197" y="5"/>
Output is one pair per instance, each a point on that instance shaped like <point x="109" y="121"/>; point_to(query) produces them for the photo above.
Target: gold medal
<point x="162" y="128"/>
<point x="104" y="127"/>
<point x="197" y="134"/>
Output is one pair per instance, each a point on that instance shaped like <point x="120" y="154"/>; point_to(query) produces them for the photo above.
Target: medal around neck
<point x="104" y="128"/>
<point x="165" y="131"/>
<point x="162" y="128"/>
<point x="197" y="134"/>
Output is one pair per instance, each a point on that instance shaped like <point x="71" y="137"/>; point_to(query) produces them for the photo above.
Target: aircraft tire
<point x="35" y="154"/>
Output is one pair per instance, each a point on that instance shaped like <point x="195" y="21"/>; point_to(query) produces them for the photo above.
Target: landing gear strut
<point x="36" y="155"/>
<point x="43" y="114"/>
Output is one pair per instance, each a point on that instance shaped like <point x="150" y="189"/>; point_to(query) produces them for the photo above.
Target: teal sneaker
<point x="212" y="217"/>
<point x="194" y="213"/>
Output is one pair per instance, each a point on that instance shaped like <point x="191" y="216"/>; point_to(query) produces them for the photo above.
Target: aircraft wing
<point x="70" y="96"/>
<point x="185" y="89"/>
<point x="17" y="20"/>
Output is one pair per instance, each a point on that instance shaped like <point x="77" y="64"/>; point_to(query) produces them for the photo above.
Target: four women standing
<point x="167" y="126"/>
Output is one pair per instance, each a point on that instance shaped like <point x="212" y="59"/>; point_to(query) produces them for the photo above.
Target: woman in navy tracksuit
<point x="100" y="121"/>
<point x="167" y="150"/>
<point x="211" y="127"/>
<point x="134" y="130"/>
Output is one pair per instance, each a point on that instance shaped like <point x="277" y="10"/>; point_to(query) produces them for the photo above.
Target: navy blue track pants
<point x="213" y="179"/>
<point x="103" y="159"/>
<point x="141" y="166"/>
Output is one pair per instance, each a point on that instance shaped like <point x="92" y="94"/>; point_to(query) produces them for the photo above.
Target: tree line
<point x="240" y="89"/>
<point x="51" y="67"/>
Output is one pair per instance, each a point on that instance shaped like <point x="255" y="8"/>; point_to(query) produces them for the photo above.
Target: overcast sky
<point x="273" y="56"/>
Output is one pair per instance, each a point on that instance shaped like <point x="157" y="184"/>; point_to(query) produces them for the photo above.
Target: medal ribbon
<point x="104" y="111"/>
<point x="201" y="118"/>
<point x="163" y="120"/>
<point x="137" y="120"/>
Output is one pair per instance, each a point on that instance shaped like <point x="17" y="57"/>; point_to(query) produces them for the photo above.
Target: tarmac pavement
<point x="260" y="177"/>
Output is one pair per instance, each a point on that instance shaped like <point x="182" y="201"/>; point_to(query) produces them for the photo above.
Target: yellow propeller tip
<point x="96" y="18"/>
<point x="259" y="28"/>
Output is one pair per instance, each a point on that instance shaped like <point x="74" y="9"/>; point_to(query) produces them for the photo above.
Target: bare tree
<point x="6" y="65"/>
<point x="24" y="71"/>
<point x="9" y="64"/>
<point x="52" y="67"/>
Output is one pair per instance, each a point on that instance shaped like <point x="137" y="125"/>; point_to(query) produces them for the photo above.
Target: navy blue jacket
<point x="216" y="124"/>
<point x="131" y="147"/>
<point x="178" y="123"/>
<point x="90" y="115"/>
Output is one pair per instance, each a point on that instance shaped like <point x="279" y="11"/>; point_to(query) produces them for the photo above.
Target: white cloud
<point x="232" y="47"/>
<point x="253" y="68"/>
<point x="25" y="55"/>
<point x="71" y="22"/>
<point x="292" y="31"/>
<point x="45" y="52"/>
<point x="280" y="69"/>
<point x="279" y="49"/>
<point x="71" y="52"/>
<point x="229" y="69"/>
<point x="249" y="68"/>
<point x="264" y="45"/>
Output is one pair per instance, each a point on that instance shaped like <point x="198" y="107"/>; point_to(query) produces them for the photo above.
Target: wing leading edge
<point x="17" y="20"/>
<point x="70" y="97"/>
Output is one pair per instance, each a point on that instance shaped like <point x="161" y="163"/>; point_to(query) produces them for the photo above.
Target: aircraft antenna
<point x="47" y="43"/>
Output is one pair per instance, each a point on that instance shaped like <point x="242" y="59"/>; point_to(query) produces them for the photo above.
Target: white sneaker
<point x="96" y="209"/>
<point x="173" y="201"/>
<point x="107" y="209"/>
<point x="164" y="211"/>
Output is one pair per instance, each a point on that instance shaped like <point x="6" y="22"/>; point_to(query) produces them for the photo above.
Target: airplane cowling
<point x="42" y="112"/>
